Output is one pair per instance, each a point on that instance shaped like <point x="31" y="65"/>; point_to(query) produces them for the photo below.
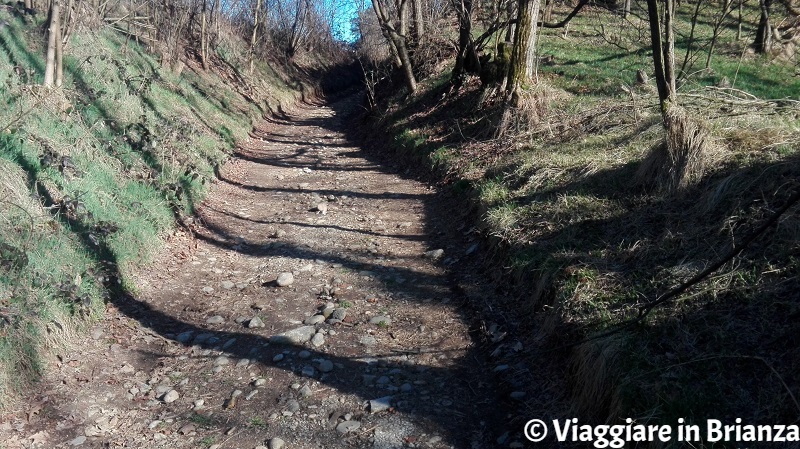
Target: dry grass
<point x="682" y="159"/>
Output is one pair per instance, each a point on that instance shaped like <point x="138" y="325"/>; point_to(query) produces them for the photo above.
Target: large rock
<point x="296" y="336"/>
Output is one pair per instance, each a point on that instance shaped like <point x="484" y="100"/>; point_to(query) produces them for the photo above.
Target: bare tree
<point x="53" y="70"/>
<point x="522" y="69"/>
<point x="763" y="41"/>
<point x="397" y="40"/>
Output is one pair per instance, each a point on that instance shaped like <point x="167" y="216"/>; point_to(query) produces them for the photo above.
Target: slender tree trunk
<point x="664" y="79"/>
<point x="402" y="7"/>
<point x="203" y="37"/>
<point x="254" y="36"/>
<point x="626" y="9"/>
<point x="763" y="41"/>
<point x="28" y="6"/>
<point x="511" y="27"/>
<point x="547" y="16"/>
<point x="522" y="69"/>
<point x="419" y="21"/>
<point x="466" y="57"/>
<point x="739" y="22"/>
<point x="397" y="43"/>
<point x="726" y="9"/>
<point x="59" y="58"/>
<point x="53" y="33"/>
<point x="405" y="60"/>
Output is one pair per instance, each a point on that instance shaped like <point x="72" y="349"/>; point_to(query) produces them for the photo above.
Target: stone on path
<point x="285" y="279"/>
<point x="255" y="322"/>
<point x="170" y="396"/>
<point x="276" y="443"/>
<point x="296" y="336"/>
<point x="348" y="426"/>
<point x="380" y="404"/>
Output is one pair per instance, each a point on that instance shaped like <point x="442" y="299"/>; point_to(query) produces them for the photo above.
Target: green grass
<point x="588" y="62"/>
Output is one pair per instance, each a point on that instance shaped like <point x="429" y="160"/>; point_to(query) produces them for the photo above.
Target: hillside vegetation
<point x="95" y="174"/>
<point x="606" y="296"/>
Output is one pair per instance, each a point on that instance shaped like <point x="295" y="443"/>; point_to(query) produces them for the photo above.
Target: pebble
<point x="293" y="406"/>
<point x="380" y="404"/>
<point x="251" y="395"/>
<point x="255" y="322"/>
<point x="339" y="314"/>
<point x="318" y="340"/>
<point x="285" y="279"/>
<point x="435" y="254"/>
<point x="304" y="354"/>
<point x="471" y="249"/>
<point x="184" y="337"/>
<point x="406" y="387"/>
<point x="325" y="366"/>
<point x="276" y="443"/>
<point x="277" y="358"/>
<point x="221" y="360"/>
<point x="198" y="404"/>
<point x="77" y="441"/>
<point x="227" y="285"/>
<point x="216" y="319"/>
<point x="368" y="340"/>
<point x="260" y="382"/>
<point x="96" y="333"/>
<point x="208" y="290"/>
<point x="348" y="426"/>
<point x="243" y="363"/>
<point x="381" y="320"/>
<point x="305" y="391"/>
<point x="170" y="396"/>
<point x="308" y="371"/>
<point x="316" y="319"/>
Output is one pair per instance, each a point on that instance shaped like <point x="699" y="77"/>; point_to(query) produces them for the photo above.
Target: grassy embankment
<point x="588" y="240"/>
<point x="94" y="174"/>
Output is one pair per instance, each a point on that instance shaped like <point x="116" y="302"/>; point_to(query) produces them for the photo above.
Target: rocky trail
<point x="310" y="306"/>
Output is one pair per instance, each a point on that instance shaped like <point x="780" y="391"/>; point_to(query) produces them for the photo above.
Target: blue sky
<point x="346" y="11"/>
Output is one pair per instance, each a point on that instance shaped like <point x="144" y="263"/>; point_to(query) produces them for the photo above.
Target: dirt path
<point x="194" y="361"/>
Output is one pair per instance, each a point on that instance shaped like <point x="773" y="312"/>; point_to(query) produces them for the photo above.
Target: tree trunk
<point x="522" y="69"/>
<point x="663" y="51"/>
<point x="28" y="6"/>
<point x="739" y="22"/>
<point x="419" y="21"/>
<point x="626" y="9"/>
<point x="547" y="16"/>
<point x="203" y="37"/>
<point x="59" y="69"/>
<point x="397" y="44"/>
<point x="405" y="60"/>
<point x="52" y="38"/>
<point x="763" y="41"/>
<point x="254" y="36"/>
<point x="466" y="58"/>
